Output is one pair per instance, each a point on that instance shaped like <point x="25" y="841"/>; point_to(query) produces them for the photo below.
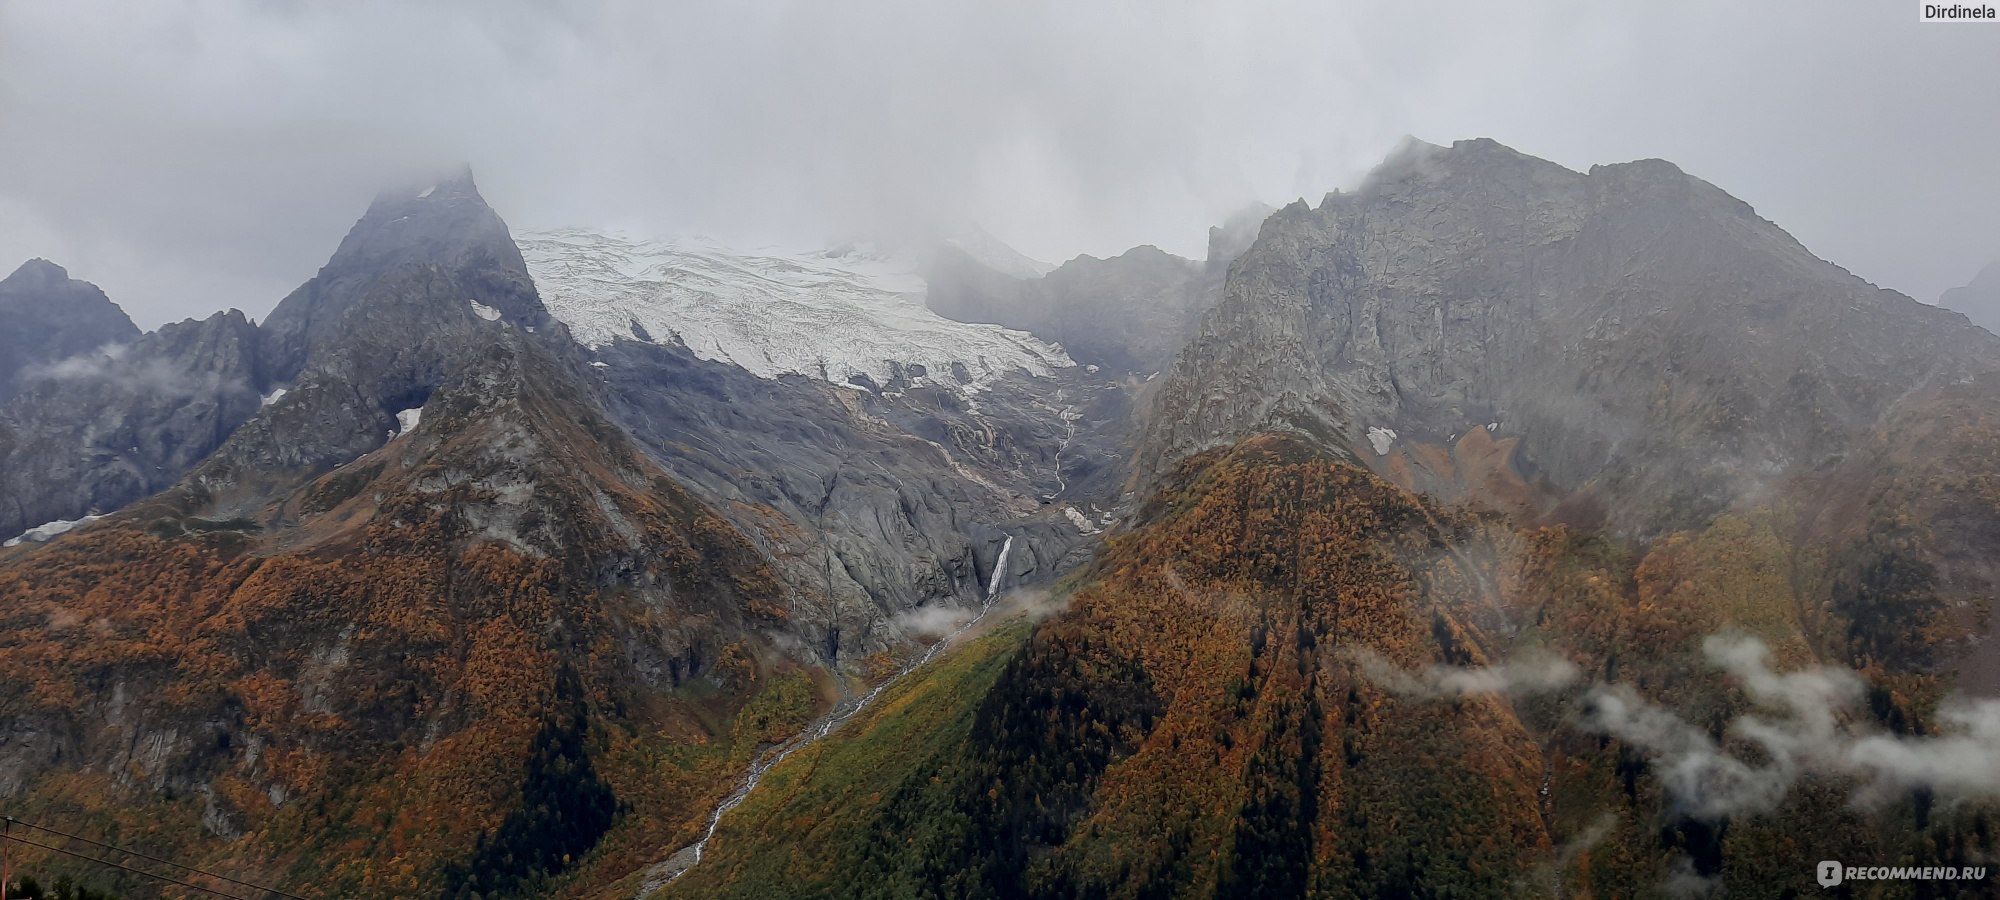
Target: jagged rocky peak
<point x="1643" y="332"/>
<point x="425" y="282"/>
<point x="1228" y="240"/>
<point x="36" y="273"/>
<point x="509" y="528"/>
<point x="439" y="241"/>
<point x="46" y="316"/>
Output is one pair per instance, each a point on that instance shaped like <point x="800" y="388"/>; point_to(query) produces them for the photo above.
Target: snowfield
<point x="824" y="315"/>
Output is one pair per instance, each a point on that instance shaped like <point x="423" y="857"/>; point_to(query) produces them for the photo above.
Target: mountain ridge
<point x="1358" y="315"/>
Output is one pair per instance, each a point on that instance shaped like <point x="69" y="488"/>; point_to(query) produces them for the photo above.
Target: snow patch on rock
<point x="825" y="315"/>
<point x="483" y="311"/>
<point x="1078" y="519"/>
<point x="1381" y="439"/>
<point x="48" y="530"/>
<point x="406" y="421"/>
<point x="274" y="396"/>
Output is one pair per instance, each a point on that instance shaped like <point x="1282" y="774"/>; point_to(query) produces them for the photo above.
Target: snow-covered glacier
<point x="829" y="315"/>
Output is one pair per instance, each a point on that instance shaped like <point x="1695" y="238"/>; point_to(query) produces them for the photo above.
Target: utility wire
<point x="105" y="862"/>
<point x="167" y="862"/>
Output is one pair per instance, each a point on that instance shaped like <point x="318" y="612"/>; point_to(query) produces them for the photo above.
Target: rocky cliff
<point x="50" y="316"/>
<point x="104" y="427"/>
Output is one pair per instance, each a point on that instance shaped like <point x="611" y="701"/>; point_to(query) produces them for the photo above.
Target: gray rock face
<point x="1648" y="336"/>
<point x="98" y="430"/>
<point x="1230" y="239"/>
<point x="1129" y="313"/>
<point x="876" y="505"/>
<point x="446" y="229"/>
<point x="47" y="316"/>
<point x="421" y="284"/>
<point x="1978" y="300"/>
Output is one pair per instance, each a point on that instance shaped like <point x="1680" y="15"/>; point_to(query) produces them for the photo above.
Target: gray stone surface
<point x="47" y="316"/>
<point x="876" y="505"/>
<point x="98" y="430"/>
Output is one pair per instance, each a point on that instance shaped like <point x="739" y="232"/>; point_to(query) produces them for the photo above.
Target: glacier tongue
<point x="817" y="314"/>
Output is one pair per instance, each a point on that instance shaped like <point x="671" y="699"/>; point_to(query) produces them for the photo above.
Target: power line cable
<point x="105" y="862"/>
<point x="166" y="862"/>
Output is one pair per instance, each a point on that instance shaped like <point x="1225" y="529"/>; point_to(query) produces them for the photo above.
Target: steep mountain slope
<point x="447" y="231"/>
<point x="1979" y="299"/>
<point x="1646" y="336"/>
<point x="107" y="426"/>
<point x="422" y="282"/>
<point x="1292" y="678"/>
<point x="883" y="457"/>
<point x="437" y="540"/>
<point x="884" y="510"/>
<point x="50" y="316"/>
<point x="1664" y="570"/>
<point x="427" y="620"/>
<point x="1194" y="725"/>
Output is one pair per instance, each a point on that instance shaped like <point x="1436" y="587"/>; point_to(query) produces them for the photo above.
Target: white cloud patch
<point x="1527" y="674"/>
<point x="1805" y="722"/>
<point x="113" y="366"/>
<point x="934" y="621"/>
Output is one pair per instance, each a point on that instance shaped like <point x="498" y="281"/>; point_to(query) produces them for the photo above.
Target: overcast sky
<point x="191" y="157"/>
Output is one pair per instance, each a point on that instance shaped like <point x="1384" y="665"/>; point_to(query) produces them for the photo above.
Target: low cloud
<point x="114" y="367"/>
<point x="1804" y="723"/>
<point x="1684" y="883"/>
<point x="1527" y="674"/>
<point x="934" y="621"/>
